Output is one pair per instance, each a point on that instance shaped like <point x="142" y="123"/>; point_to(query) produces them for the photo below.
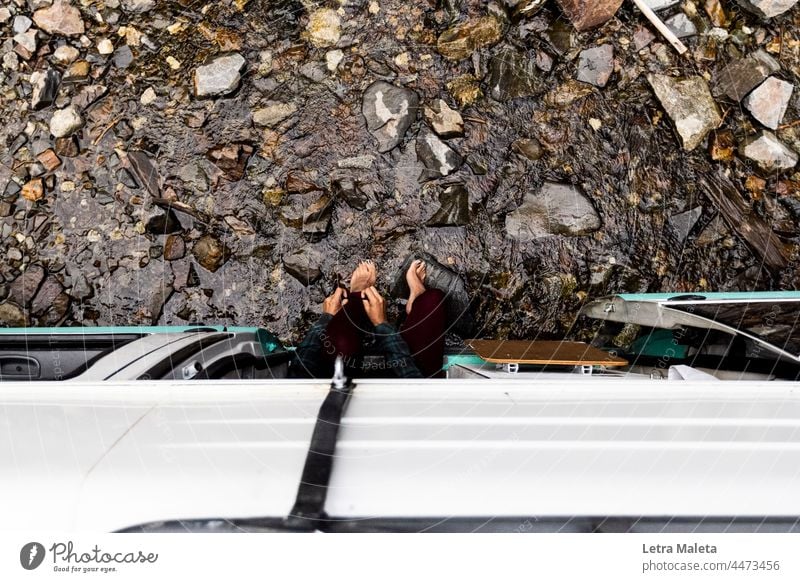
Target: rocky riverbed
<point x="229" y="162"/>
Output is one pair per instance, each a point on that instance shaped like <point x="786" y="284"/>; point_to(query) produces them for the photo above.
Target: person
<point x="415" y="350"/>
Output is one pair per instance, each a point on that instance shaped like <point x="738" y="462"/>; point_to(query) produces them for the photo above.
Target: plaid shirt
<point x="309" y="354"/>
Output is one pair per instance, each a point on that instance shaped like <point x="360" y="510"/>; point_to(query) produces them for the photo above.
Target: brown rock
<point x="67" y="147"/>
<point x="33" y="190"/>
<point x="24" y="288"/>
<point x="60" y="18"/>
<point x="460" y="41"/>
<point x="49" y="160"/>
<point x="174" y="247"/>
<point x="11" y="315"/>
<point x="210" y="252"/>
<point x="296" y="184"/>
<point x="231" y="159"/>
<point x="585" y="14"/>
<point x="722" y="146"/>
<point x="755" y="184"/>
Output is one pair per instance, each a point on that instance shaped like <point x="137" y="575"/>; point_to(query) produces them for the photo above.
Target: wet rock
<point x="273" y="114"/>
<point x="231" y="159"/>
<point x="454" y="207"/>
<point x="324" y="28"/>
<point x="88" y="95"/>
<point x="683" y="223"/>
<point x="81" y="288"/>
<point x="768" y="102"/>
<point x="568" y="93"/>
<point x="767" y="8"/>
<point x="585" y="14"/>
<point x="769" y="152"/>
<point x="23" y="289"/>
<point x="389" y="111"/>
<point x="512" y="75"/>
<point x="349" y="190"/>
<point x="317" y="217"/>
<point x="210" y="252"/>
<point x="220" y="77"/>
<point x="743" y="75"/>
<point x="681" y="25"/>
<point x="529" y="148"/>
<point x="145" y="171"/>
<point x="138" y="6"/>
<point x="438" y="158"/>
<point x="137" y="296"/>
<point x="689" y="104"/>
<point x="465" y="89"/>
<point x="33" y="190"/>
<point x="65" y="122"/>
<point x="460" y="41"/>
<point x="596" y="65"/>
<point x="444" y="121"/>
<point x="304" y="265"/>
<point x="61" y="18"/>
<point x="174" y="248"/>
<point x="48" y="305"/>
<point x="12" y="315"/>
<point x="642" y="37"/>
<point x="297" y="184"/>
<point x="67" y="147"/>
<point x="556" y="209"/>
<point x="49" y="160"/>
<point x="722" y="146"/>
<point x="163" y="223"/>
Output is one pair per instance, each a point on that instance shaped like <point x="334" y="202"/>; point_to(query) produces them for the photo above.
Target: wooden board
<point x="542" y="353"/>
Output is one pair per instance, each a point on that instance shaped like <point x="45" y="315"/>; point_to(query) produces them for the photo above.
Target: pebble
<point x="769" y="152"/>
<point x="273" y="114"/>
<point x="33" y="190"/>
<point x="689" y="104"/>
<point x="65" y="122"/>
<point x="148" y="96"/>
<point x="333" y="58"/>
<point x="460" y="41"/>
<point x="357" y="162"/>
<point x="438" y="158"/>
<point x="444" y="121"/>
<point x="556" y="209"/>
<point x="65" y="54"/>
<point x="767" y="8"/>
<point x="324" y="28"/>
<point x="596" y="65"/>
<point x="220" y="77"/>
<point x="44" y="88"/>
<point x="138" y="6"/>
<point x="513" y="75"/>
<point x="105" y="47"/>
<point x="681" y="25"/>
<point x="586" y="14"/>
<point x="61" y="18"/>
<point x="768" y="102"/>
<point x="743" y="75"/>
<point x="389" y="111"/>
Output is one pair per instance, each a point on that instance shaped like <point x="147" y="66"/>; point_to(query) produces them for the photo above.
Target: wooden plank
<point x="542" y="353"/>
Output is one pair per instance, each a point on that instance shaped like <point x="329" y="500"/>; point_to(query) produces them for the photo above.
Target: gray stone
<point x="454" y="207"/>
<point x="689" y="104"/>
<point x="23" y="289"/>
<point x="193" y="177"/>
<point x="123" y="57"/>
<point x="348" y="189"/>
<point x="304" y="265"/>
<point x="26" y="40"/>
<point x="274" y="113"/>
<point x="769" y="152"/>
<point x="642" y="37"/>
<point x="61" y="18"/>
<point x="768" y="102"/>
<point x="596" y="65"/>
<point x="681" y="25"/>
<point x="513" y="75"/>
<point x="21" y="24"/>
<point x="683" y="223"/>
<point x="45" y="88"/>
<point x="743" y="75"/>
<point x="661" y="4"/>
<point x="389" y="111"/>
<point x="767" y="8"/>
<point x="557" y="209"/>
<point x="138" y="6"/>
<point x="219" y="77"/>
<point x="65" y="122"/>
<point x="145" y="171"/>
<point x="317" y="217"/>
<point x="357" y="162"/>
<point x="438" y="158"/>
<point x="444" y="121"/>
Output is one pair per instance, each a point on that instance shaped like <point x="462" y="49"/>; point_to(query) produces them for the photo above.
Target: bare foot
<point x="415" y="277"/>
<point x="363" y="277"/>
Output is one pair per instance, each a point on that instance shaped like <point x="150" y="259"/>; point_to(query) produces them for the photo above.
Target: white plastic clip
<point x="511" y="368"/>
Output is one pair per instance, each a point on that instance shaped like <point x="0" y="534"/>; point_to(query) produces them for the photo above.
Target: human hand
<point x="374" y="305"/>
<point x="335" y="302"/>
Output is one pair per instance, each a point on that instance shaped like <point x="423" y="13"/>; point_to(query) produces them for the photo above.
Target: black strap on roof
<point x="309" y="506"/>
